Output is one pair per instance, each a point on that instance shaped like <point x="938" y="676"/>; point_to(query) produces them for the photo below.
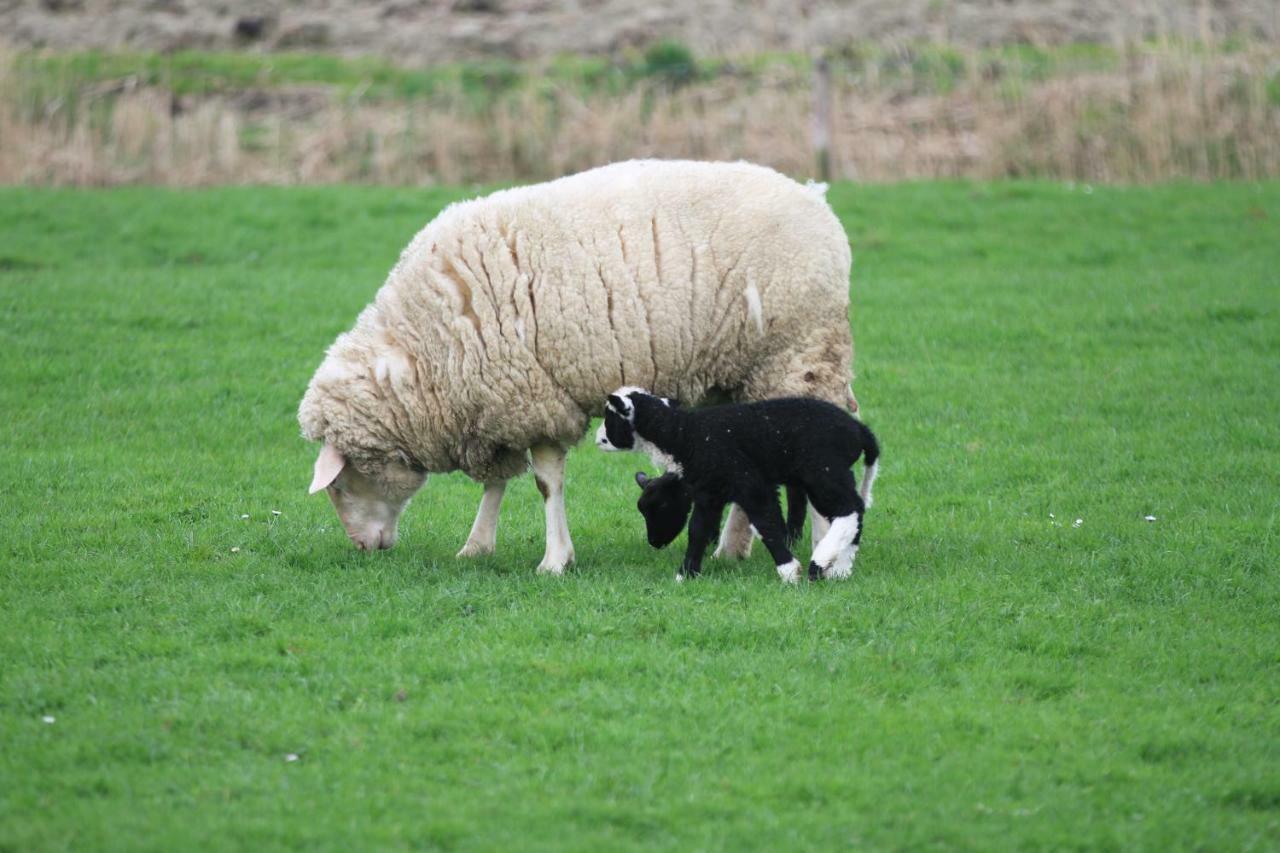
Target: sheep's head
<point x="665" y="503"/>
<point x="367" y="475"/>
<point x="370" y="497"/>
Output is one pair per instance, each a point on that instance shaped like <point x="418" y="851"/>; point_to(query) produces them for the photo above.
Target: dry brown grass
<point x="1161" y="113"/>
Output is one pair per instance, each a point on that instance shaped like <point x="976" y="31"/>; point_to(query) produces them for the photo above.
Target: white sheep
<point x="509" y="318"/>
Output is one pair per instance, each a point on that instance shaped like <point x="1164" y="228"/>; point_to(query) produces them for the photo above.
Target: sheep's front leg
<point x="703" y="526"/>
<point x="548" y="473"/>
<point x="736" y="539"/>
<point x="484" y="532"/>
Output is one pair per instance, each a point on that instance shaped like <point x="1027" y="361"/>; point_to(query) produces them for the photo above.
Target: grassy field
<point x="1021" y="660"/>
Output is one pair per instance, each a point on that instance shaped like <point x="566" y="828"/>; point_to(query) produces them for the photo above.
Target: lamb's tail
<point x="871" y="460"/>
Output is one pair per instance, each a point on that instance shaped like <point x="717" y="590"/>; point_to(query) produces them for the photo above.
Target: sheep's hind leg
<point x="736" y="536"/>
<point x="548" y="473"/>
<point x="819" y="525"/>
<point x="484" y="532"/>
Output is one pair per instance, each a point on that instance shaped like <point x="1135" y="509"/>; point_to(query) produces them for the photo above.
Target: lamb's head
<point x="665" y="503"/>
<point x="618" y="430"/>
<point x="366" y="472"/>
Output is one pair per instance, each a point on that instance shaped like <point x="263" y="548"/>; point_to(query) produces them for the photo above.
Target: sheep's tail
<point x="871" y="461"/>
<point x="818" y="188"/>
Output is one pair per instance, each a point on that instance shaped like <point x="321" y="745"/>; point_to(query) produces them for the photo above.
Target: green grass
<point x="993" y="676"/>
<point x="46" y="76"/>
<point x="934" y="68"/>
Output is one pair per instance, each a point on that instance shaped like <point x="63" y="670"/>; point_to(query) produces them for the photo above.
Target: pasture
<point x="1021" y="659"/>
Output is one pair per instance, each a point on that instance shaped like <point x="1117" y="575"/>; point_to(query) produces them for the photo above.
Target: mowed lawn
<point x="1021" y="660"/>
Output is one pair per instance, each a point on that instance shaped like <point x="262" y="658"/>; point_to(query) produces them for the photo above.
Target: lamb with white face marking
<point x="741" y="453"/>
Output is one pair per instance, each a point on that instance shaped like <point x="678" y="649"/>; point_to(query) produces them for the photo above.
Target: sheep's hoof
<point x="815" y="571"/>
<point x="476" y="549"/>
<point x="734" y="549"/>
<point x="554" y="566"/>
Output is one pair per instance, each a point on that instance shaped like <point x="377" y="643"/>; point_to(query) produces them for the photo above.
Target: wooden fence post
<point x="822" y="115"/>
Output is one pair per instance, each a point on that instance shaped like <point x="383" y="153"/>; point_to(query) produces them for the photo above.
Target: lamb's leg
<point x="484" y="532"/>
<point x="548" y="473"/>
<point x="703" y="525"/>
<point x="795" y="514"/>
<point x="833" y="558"/>
<point x="736" y="537"/>
<point x="767" y="518"/>
<point x="836" y="496"/>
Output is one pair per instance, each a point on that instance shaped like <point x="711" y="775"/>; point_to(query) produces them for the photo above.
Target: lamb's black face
<point x="665" y="503"/>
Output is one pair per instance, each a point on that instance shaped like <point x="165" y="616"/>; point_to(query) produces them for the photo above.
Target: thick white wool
<point x="509" y="318"/>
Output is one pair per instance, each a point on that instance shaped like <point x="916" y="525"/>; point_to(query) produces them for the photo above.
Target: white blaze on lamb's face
<point x="618" y="430"/>
<point x="368" y="505"/>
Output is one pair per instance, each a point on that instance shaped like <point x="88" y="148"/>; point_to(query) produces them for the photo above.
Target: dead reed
<point x="1150" y="113"/>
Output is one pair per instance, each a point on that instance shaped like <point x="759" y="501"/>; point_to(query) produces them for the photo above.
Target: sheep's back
<point x="676" y="276"/>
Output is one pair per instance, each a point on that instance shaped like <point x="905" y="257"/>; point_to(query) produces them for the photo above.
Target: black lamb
<point x="742" y="453"/>
<point x="665" y="503"/>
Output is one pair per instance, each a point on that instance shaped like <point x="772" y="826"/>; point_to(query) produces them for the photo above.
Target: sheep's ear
<point x="329" y="465"/>
<point x="618" y="404"/>
<point x="641" y="479"/>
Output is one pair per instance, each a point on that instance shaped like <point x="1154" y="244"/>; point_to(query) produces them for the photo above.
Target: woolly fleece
<point x="508" y="318"/>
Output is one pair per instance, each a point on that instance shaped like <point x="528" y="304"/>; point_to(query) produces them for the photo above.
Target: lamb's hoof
<point x="475" y="549"/>
<point x="790" y="572"/>
<point x="554" y="565"/>
<point x="815" y="571"/>
<point x="839" y="572"/>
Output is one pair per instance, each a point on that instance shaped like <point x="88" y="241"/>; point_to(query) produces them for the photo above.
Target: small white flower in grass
<point x="1148" y="518"/>
<point x="235" y="550"/>
<point x="293" y="756"/>
<point x="275" y="512"/>
<point x="47" y="720"/>
<point x="244" y="516"/>
<point x="1077" y="522"/>
<point x="1051" y="515"/>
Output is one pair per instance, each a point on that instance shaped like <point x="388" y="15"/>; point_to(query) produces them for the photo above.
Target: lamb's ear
<point x="329" y="465"/>
<point x="618" y="404"/>
<point x="641" y="479"/>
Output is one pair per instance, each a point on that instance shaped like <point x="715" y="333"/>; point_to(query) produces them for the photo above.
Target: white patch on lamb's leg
<point x="818" y="526"/>
<point x="548" y="472"/>
<point x="834" y="554"/>
<point x="483" y="538"/>
<point x="735" y="536"/>
<point x="790" y="572"/>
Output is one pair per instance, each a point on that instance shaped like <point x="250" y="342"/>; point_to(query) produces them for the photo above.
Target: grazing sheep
<point x="665" y="503"/>
<point x="741" y="453"/>
<point x="508" y="318"/>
